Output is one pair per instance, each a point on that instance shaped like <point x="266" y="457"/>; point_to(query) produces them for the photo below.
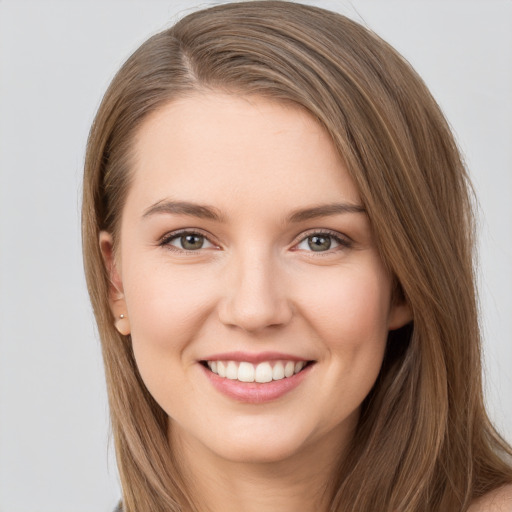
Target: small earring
<point x="122" y="324"/>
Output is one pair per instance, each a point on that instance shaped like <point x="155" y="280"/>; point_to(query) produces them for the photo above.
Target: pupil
<point x="191" y="242"/>
<point x="319" y="243"/>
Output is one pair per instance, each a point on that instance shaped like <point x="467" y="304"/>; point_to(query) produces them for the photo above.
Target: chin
<point x="265" y="442"/>
<point x="248" y="441"/>
<point x="260" y="451"/>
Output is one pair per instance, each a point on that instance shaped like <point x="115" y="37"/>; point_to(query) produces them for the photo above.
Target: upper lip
<point x="254" y="358"/>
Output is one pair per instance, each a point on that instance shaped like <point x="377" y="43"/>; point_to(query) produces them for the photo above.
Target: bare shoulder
<point x="499" y="500"/>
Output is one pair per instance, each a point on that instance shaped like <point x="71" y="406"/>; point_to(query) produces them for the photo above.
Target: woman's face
<point x="244" y="249"/>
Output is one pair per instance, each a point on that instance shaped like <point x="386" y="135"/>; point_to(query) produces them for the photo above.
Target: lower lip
<point x="256" y="392"/>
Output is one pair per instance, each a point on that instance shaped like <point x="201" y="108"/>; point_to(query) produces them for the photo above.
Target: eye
<point x="188" y="241"/>
<point x="323" y="242"/>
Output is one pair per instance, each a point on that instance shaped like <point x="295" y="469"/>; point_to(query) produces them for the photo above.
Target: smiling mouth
<point x="266" y="371"/>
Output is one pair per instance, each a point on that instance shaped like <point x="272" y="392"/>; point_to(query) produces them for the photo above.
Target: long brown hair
<point x="424" y="441"/>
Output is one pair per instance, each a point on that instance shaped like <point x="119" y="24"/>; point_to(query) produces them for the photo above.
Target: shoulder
<point x="499" y="500"/>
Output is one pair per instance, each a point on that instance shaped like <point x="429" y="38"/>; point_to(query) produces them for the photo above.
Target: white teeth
<point x="263" y="372"/>
<point x="278" y="371"/>
<point x="232" y="371"/>
<point x="246" y="372"/>
<point x="221" y="369"/>
<point x="289" y="369"/>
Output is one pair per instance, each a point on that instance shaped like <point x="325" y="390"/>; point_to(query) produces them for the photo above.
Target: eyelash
<point x="344" y="242"/>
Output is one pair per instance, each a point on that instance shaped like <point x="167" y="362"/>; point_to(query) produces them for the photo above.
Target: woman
<point x="278" y="247"/>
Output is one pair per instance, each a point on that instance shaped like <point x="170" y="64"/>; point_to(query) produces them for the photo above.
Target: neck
<point x="299" y="482"/>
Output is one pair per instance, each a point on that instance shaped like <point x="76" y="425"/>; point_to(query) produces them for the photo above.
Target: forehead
<point x="238" y="151"/>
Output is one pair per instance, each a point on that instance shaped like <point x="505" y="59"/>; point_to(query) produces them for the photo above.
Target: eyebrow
<point x="324" y="210"/>
<point x="185" y="208"/>
<point x="212" y="213"/>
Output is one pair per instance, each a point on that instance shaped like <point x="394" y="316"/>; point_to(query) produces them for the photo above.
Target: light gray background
<point x="56" y="59"/>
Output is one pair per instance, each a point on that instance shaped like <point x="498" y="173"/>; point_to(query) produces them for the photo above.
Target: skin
<point x="255" y="285"/>
<point x="499" y="500"/>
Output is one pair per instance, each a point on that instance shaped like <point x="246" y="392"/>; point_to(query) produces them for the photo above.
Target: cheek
<point x="166" y="306"/>
<point x="350" y="305"/>
<point x="349" y="314"/>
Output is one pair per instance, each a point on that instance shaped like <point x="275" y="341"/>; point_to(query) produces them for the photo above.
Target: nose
<point x="255" y="297"/>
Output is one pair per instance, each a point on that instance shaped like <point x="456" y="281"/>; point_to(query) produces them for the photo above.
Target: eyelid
<point x="164" y="240"/>
<point x="344" y="241"/>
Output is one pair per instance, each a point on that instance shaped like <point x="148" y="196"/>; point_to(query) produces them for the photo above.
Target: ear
<point x="400" y="314"/>
<point x="115" y="293"/>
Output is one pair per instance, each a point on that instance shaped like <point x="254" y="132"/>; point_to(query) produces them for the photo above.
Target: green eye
<point x="191" y="242"/>
<point x="324" y="242"/>
<point x="186" y="241"/>
<point x="319" y="243"/>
